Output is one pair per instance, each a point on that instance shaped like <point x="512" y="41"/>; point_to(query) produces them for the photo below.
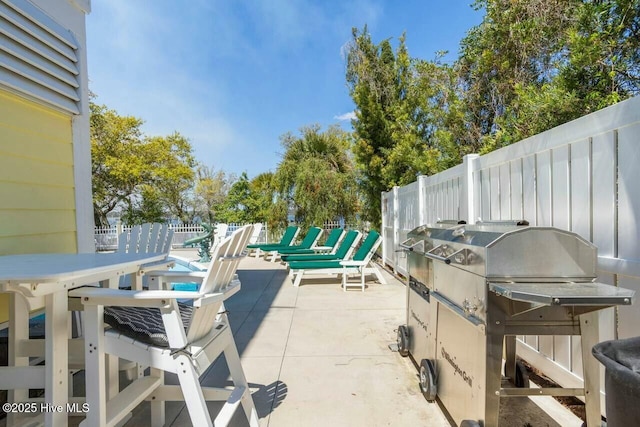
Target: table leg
<point x="18" y="331"/>
<point x="590" y="335"/>
<point x="112" y="363"/>
<point x="56" y="359"/>
<point x="95" y="366"/>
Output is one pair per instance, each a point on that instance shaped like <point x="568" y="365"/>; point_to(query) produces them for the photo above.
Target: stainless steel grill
<point x="474" y="288"/>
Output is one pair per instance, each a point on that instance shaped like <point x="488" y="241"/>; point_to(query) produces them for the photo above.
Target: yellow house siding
<point x="37" y="192"/>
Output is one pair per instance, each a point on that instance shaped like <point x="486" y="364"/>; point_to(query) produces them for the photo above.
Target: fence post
<point x="118" y="232"/>
<point x="422" y="201"/>
<point x="396" y="228"/>
<point x="467" y="210"/>
<point x="383" y="226"/>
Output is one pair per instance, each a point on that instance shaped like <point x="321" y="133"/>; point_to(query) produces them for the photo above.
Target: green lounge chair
<point x="308" y="242"/>
<point x="330" y="246"/>
<point x="360" y="263"/>
<point x="344" y="251"/>
<point x="288" y="238"/>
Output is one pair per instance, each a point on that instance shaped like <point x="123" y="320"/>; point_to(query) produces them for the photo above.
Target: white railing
<point x="582" y="176"/>
<point x="106" y="238"/>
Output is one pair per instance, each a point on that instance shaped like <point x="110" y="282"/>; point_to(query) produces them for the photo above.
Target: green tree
<point x="316" y="176"/>
<point x="148" y="208"/>
<point x="173" y="163"/>
<point x="128" y="166"/>
<point x="263" y="193"/>
<point x="210" y="191"/>
<point x="402" y="124"/>
<point x="115" y="167"/>
<point x="371" y="77"/>
<point x="533" y="65"/>
<point x="238" y="206"/>
<point x="603" y="54"/>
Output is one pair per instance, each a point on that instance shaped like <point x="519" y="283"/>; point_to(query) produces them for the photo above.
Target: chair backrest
<point x="365" y="251"/>
<point x="289" y="234"/>
<point x="220" y="233"/>
<point x="219" y="278"/>
<point x="334" y="237"/>
<point x="311" y="238"/>
<point x="146" y="238"/>
<point x="257" y="229"/>
<point x="351" y="239"/>
<point x="225" y="259"/>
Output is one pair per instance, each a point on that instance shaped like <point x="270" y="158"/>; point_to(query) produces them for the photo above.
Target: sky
<point x="233" y="76"/>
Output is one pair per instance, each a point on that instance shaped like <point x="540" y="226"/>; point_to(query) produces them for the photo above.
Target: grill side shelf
<point x="566" y="293"/>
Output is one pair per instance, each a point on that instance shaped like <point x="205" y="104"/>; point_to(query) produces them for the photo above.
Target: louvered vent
<point x="38" y="55"/>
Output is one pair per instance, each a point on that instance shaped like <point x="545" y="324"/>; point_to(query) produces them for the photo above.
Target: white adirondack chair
<point x="146" y="238"/>
<point x="152" y="328"/>
<point x="257" y="229"/>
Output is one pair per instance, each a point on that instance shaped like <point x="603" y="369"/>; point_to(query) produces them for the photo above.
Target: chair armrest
<point x="158" y="265"/>
<point x="121" y="297"/>
<point x="157" y="278"/>
<point x="150" y="298"/>
<point x="352" y="263"/>
<point x="187" y="275"/>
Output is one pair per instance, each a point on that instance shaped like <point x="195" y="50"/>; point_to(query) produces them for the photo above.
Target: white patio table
<point x="38" y="280"/>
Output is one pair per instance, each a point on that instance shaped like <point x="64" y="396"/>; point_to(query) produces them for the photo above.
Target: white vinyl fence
<point x="583" y="176"/>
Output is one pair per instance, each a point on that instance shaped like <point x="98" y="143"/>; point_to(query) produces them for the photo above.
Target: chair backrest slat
<point x="257" y="228"/>
<point x="155" y="235"/>
<point x="311" y="238"/>
<point x="224" y="263"/>
<point x="165" y="244"/>
<point x="334" y="237"/>
<point x="289" y="234"/>
<point x="146" y="238"/>
<point x="367" y="247"/>
<point x="220" y="232"/>
<point x="347" y="243"/>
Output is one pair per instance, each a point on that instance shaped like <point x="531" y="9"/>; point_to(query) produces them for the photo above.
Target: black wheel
<point x="428" y="380"/>
<point x="403" y="340"/>
<point x="469" y="423"/>
<point x="522" y="376"/>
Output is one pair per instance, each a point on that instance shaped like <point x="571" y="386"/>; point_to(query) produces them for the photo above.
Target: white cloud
<point x="346" y="116"/>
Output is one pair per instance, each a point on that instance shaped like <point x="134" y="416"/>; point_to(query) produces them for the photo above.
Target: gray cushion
<point x="143" y="324"/>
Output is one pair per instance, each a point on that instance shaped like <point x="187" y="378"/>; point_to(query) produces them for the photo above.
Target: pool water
<point x="182" y="265"/>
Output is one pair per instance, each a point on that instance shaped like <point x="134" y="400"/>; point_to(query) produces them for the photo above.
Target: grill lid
<point x="510" y="252"/>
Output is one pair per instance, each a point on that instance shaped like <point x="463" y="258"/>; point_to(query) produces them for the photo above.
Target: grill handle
<point x="409" y="248"/>
<point x="431" y="255"/>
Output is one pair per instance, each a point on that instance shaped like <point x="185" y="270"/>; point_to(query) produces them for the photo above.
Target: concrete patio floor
<point x="318" y="356"/>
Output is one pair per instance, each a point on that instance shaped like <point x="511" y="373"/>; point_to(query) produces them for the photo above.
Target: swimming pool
<point x="185" y="265"/>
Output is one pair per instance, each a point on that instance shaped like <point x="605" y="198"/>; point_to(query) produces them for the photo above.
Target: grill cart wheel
<point x="403" y="340"/>
<point x="469" y="423"/>
<point x="428" y="383"/>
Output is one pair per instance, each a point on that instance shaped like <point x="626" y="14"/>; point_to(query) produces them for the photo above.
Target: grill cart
<point x="473" y="288"/>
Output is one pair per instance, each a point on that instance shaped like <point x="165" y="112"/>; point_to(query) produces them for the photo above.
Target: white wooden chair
<point x="152" y="328"/>
<point x="145" y="238"/>
<point x="257" y="229"/>
<point x="220" y="233"/>
<point x="361" y="264"/>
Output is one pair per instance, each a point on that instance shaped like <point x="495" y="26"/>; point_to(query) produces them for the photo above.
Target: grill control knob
<point x="468" y="307"/>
